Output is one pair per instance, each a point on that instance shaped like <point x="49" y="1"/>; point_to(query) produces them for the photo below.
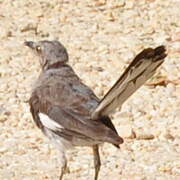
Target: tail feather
<point x="138" y="72"/>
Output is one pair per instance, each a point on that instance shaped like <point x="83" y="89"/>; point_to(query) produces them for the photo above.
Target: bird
<point x="69" y="113"/>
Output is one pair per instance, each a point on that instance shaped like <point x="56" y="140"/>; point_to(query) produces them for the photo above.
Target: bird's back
<point x="64" y="98"/>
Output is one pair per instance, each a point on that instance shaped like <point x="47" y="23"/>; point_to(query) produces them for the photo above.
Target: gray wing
<point x="72" y="121"/>
<point x="138" y="72"/>
<point x="64" y="105"/>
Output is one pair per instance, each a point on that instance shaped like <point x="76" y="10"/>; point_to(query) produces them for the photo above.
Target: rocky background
<point x="102" y="37"/>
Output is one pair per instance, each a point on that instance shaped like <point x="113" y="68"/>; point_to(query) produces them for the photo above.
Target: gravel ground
<point x="102" y="37"/>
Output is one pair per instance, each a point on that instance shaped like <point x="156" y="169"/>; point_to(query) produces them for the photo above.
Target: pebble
<point x="126" y="131"/>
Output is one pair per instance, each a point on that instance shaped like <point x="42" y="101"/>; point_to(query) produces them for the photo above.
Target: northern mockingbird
<point x="68" y="111"/>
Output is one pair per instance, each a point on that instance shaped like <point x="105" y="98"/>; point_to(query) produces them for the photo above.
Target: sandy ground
<point x="102" y="37"/>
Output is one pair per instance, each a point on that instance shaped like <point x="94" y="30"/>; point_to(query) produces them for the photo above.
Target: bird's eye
<point x="38" y="49"/>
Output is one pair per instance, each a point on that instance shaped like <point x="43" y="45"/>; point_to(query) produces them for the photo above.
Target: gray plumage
<point x="68" y="112"/>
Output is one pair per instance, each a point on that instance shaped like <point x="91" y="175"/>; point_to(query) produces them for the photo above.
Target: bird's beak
<point x="30" y="44"/>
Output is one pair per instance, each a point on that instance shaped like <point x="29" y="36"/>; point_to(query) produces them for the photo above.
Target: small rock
<point x="3" y="118"/>
<point x="169" y="136"/>
<point x="3" y="150"/>
<point x="145" y="136"/>
<point x="127" y="132"/>
<point x="176" y="36"/>
<point x="110" y="16"/>
<point x="99" y="3"/>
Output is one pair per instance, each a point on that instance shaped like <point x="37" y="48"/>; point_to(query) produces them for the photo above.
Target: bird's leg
<point x="63" y="165"/>
<point x="97" y="161"/>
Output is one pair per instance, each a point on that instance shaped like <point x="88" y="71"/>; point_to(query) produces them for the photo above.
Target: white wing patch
<point x="48" y="122"/>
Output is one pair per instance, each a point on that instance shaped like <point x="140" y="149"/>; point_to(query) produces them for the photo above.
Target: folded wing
<point x="63" y="104"/>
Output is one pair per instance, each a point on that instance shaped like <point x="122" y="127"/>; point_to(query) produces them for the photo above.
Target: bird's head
<point x="52" y="53"/>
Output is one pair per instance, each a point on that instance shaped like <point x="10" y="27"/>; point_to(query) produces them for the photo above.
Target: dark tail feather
<point x="108" y="123"/>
